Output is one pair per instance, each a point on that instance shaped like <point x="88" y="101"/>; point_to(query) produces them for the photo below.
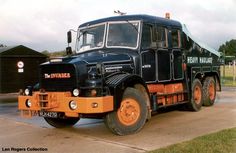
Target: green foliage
<point x="54" y="54"/>
<point x="220" y="142"/>
<point x="229" y="47"/>
<point x="58" y="54"/>
<point x="46" y="53"/>
<point x="2" y="45"/>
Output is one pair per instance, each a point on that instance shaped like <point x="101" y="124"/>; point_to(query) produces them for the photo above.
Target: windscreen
<point x="123" y="34"/>
<point x="91" y="38"/>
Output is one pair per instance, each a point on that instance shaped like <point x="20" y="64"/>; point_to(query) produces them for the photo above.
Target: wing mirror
<point x="69" y="37"/>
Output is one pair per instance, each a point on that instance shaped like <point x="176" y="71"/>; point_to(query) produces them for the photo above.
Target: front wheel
<point x="131" y="116"/>
<point x="61" y="122"/>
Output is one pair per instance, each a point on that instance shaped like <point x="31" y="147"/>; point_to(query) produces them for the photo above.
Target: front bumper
<point x="59" y="102"/>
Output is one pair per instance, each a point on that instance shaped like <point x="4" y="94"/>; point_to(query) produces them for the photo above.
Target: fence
<point x="228" y="74"/>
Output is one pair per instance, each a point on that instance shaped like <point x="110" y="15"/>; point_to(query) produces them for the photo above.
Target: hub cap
<point x="129" y="112"/>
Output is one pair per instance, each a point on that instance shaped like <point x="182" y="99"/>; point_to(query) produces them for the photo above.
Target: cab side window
<point x="161" y="33"/>
<point x="175" y="37"/>
<point x="148" y="36"/>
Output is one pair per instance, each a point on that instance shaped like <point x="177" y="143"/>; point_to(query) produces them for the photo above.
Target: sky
<point x="42" y="24"/>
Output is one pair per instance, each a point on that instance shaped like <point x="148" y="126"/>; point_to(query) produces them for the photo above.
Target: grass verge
<point x="220" y="142"/>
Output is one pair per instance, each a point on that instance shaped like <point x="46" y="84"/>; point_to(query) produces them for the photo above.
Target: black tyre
<point x="61" y="122"/>
<point x="131" y="116"/>
<point x="209" y="91"/>
<point x="197" y="96"/>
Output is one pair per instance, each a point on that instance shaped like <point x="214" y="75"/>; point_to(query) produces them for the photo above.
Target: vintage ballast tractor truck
<point x="123" y="69"/>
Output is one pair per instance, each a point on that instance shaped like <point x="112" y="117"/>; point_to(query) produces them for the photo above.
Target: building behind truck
<point x="124" y="69"/>
<point x="19" y="67"/>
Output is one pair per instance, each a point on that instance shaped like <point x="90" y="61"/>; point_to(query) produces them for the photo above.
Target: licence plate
<point x="48" y="114"/>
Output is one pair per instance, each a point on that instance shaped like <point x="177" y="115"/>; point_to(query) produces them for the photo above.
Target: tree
<point x="229" y="47"/>
<point x="58" y="54"/>
<point x="45" y="52"/>
<point x="2" y="45"/>
<point x="54" y="54"/>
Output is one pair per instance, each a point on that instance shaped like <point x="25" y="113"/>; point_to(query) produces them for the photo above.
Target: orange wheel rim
<point x="211" y="91"/>
<point x="129" y="112"/>
<point x="197" y="95"/>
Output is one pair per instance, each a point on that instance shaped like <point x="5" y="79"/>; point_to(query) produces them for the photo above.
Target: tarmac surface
<point x="167" y="127"/>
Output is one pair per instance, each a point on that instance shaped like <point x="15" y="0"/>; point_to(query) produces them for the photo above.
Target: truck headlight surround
<point x="93" y="92"/>
<point x="73" y="105"/>
<point x="28" y="103"/>
<point x="28" y="91"/>
<point x="76" y="92"/>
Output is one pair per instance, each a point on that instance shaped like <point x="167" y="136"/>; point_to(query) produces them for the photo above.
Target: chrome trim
<point x="138" y="37"/>
<point x="87" y="27"/>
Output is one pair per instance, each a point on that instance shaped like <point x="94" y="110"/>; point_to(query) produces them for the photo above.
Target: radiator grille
<point x="58" y="77"/>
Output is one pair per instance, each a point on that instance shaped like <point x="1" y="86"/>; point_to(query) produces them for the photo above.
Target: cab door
<point x="176" y="54"/>
<point x="163" y="55"/>
<point x="148" y="54"/>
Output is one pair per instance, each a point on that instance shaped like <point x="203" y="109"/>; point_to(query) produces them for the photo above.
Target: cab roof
<point x="144" y="18"/>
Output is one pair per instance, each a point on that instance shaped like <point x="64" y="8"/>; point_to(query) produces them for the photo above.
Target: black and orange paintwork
<point x="166" y="73"/>
<point x="59" y="102"/>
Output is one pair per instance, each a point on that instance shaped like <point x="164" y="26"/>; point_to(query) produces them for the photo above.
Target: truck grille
<point x="43" y="100"/>
<point x="58" y="77"/>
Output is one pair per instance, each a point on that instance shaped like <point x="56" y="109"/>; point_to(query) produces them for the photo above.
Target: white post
<point x="234" y="74"/>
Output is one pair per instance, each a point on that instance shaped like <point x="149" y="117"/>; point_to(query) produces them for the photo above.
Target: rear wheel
<point x="209" y="91"/>
<point x="197" y="96"/>
<point x="131" y="116"/>
<point x="61" y="122"/>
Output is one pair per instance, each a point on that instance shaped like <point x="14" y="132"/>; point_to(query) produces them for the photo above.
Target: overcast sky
<point x="42" y="24"/>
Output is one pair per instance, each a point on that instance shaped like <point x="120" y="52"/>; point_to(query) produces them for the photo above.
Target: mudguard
<point x="119" y="82"/>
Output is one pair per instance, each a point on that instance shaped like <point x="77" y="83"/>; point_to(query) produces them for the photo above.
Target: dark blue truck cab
<point x="123" y="69"/>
